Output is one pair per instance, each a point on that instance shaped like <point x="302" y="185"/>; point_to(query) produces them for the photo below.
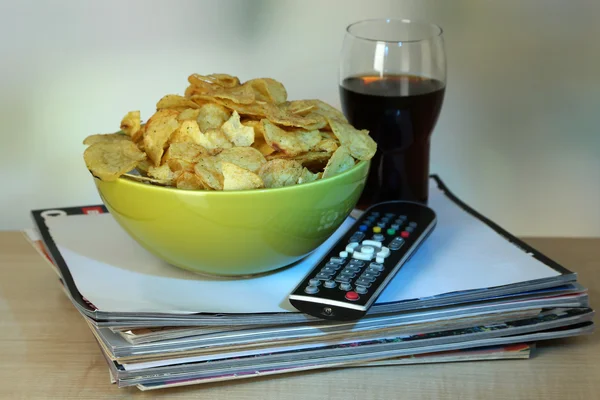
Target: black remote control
<point x="348" y="280"/>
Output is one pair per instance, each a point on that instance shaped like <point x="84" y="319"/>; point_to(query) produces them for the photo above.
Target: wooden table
<point x="47" y="351"/>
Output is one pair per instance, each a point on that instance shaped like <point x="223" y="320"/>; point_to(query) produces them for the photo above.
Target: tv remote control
<point x="346" y="282"/>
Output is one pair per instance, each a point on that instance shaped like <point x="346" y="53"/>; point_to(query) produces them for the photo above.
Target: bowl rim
<point x="166" y="189"/>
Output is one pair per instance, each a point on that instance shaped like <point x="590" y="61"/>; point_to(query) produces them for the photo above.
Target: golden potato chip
<point x="339" y="162"/>
<point x="105" y="138"/>
<point x="238" y="134"/>
<point x="359" y="143"/>
<point x="246" y="157"/>
<point x="144" y="165"/>
<point x="162" y="173"/>
<point x="259" y="143"/>
<point x="131" y="124"/>
<point x="109" y="160"/>
<point x="258" y="109"/>
<point x="189" y="181"/>
<point x="307" y="176"/>
<point x="206" y="169"/>
<point x="189" y="113"/>
<point x="214" y="140"/>
<point x="280" y="172"/>
<point x="158" y="131"/>
<point x="188" y="132"/>
<point x="224" y="80"/>
<point x="189" y="152"/>
<point x="299" y="107"/>
<point x="326" y="145"/>
<point x="326" y="110"/>
<point x="242" y="94"/>
<point x="238" y="178"/>
<point x="290" y="142"/>
<point x="268" y="89"/>
<point x="179" y="165"/>
<point x="309" y="122"/>
<point x="212" y="116"/>
<point x="313" y="160"/>
<point x="175" y="102"/>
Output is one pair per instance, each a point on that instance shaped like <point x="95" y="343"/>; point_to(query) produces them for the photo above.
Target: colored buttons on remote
<point x="391" y="231"/>
<point x="352" y="296"/>
<point x="405" y="234"/>
<point x="376" y="229"/>
<point x="363" y="228"/>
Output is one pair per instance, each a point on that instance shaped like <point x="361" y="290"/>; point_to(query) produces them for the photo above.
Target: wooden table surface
<point x="47" y="351"/>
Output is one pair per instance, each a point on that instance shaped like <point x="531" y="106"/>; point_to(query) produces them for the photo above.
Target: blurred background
<point x="517" y="137"/>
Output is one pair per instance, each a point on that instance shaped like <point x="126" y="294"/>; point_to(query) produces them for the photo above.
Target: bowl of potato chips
<point x="231" y="178"/>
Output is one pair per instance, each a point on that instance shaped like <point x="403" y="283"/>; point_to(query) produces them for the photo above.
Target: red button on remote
<point x="405" y="234"/>
<point x="352" y="296"/>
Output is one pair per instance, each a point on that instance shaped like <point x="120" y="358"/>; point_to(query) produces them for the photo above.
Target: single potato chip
<point x="307" y="176"/>
<point x="280" y="172"/>
<point x="162" y="173"/>
<point x="224" y="80"/>
<point x="105" y="138"/>
<point x="359" y="143"/>
<point x="189" y="113"/>
<point x="339" y="162"/>
<point x="268" y="90"/>
<point x="215" y="141"/>
<point x="189" y="181"/>
<point x="158" y="131"/>
<point x="238" y="178"/>
<point x="246" y="157"/>
<point x="206" y="169"/>
<point x="326" y="110"/>
<point x="131" y="124"/>
<point x="188" y="132"/>
<point x="238" y="134"/>
<point x="290" y="142"/>
<point x="212" y="116"/>
<point x="175" y="102"/>
<point x="109" y="160"/>
<point x="147" y="179"/>
<point x="189" y="152"/>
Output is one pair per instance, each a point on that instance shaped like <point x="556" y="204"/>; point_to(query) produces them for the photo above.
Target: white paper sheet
<point x="117" y="275"/>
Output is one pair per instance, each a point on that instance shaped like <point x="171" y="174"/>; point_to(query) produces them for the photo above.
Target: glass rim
<point x="437" y="30"/>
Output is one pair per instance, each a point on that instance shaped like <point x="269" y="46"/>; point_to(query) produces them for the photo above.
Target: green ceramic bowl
<point x="235" y="232"/>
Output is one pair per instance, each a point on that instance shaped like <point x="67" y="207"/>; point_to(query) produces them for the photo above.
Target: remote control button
<point x="337" y="260"/>
<point x="343" y="279"/>
<point x="385" y="220"/>
<point x="376" y="229"/>
<point x="383" y="252"/>
<point x="362" y="256"/>
<point x="396" y="243"/>
<point x="370" y="275"/>
<point x="311" y="289"/>
<point x="344" y="254"/>
<point x="333" y="266"/>
<point x="373" y="243"/>
<point x="347" y="274"/>
<point x="327" y="271"/>
<point x="390" y="215"/>
<point x="412" y="224"/>
<point x="323" y="276"/>
<point x="405" y="234"/>
<point x="366" y="279"/>
<point x="409" y="229"/>
<point x="314" y="282"/>
<point x="381" y="224"/>
<point x="345" y="286"/>
<point x="329" y="284"/>
<point x="395" y="226"/>
<point x="379" y="259"/>
<point x="357" y="237"/>
<point x="391" y="231"/>
<point x="378" y="237"/>
<point x="375" y="214"/>
<point x="403" y="217"/>
<point x="360" y="289"/>
<point x="356" y="264"/>
<point x="363" y="228"/>
<point x="367" y="249"/>
<point x="352" y="296"/>
<point x="376" y="266"/>
<point x="351" y="246"/>
<point x="363" y="282"/>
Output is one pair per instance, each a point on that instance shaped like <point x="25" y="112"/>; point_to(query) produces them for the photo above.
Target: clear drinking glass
<point x="392" y="78"/>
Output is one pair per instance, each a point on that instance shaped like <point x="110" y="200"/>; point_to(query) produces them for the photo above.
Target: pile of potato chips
<point x="227" y="135"/>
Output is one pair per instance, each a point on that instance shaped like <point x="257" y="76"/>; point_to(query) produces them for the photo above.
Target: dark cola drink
<point x="400" y="112"/>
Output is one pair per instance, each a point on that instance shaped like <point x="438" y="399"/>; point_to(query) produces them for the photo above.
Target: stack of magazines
<point x="471" y="292"/>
